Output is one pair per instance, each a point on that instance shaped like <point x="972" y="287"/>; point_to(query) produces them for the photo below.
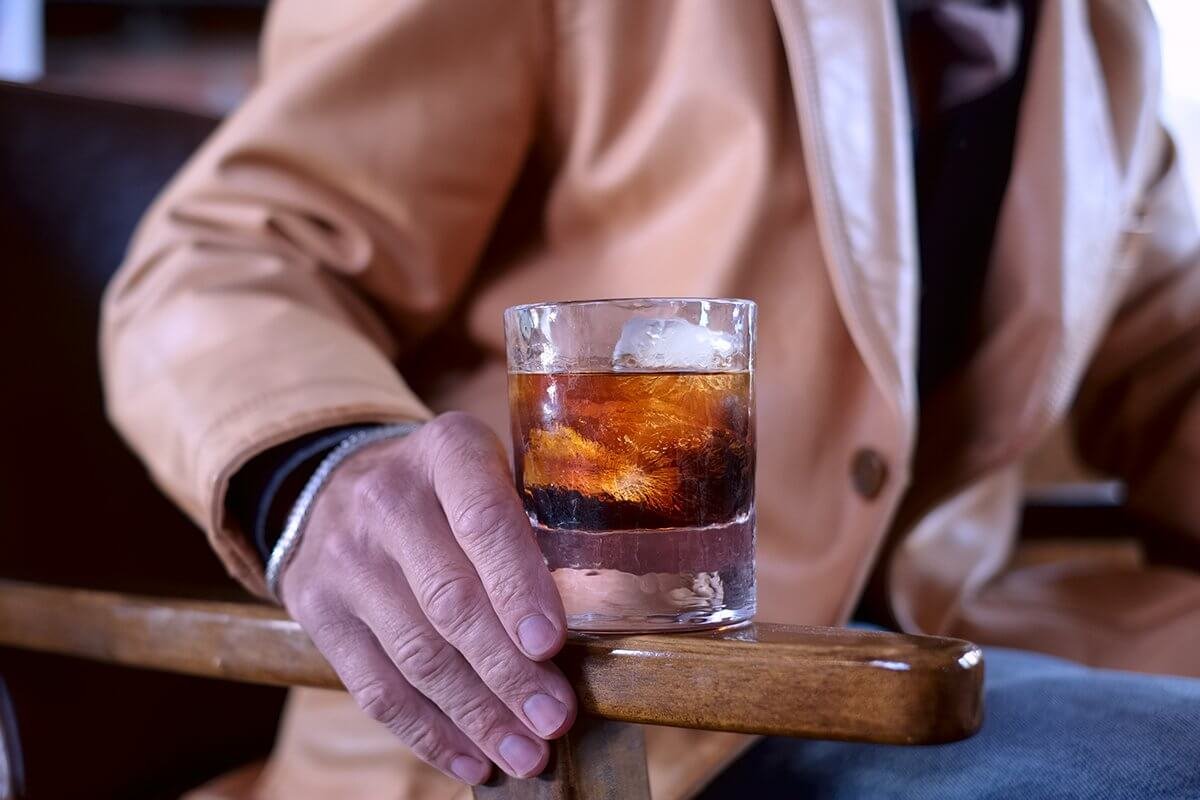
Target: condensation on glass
<point x="633" y="449"/>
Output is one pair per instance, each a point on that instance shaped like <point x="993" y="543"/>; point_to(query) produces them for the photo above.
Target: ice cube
<point x="671" y="344"/>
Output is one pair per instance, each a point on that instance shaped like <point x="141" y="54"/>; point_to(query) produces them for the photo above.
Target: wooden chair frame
<point x="824" y="683"/>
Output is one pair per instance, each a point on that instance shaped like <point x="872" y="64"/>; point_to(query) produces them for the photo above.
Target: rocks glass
<point x="633" y="449"/>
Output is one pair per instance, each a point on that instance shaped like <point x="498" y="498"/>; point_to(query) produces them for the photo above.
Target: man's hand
<point x="420" y="581"/>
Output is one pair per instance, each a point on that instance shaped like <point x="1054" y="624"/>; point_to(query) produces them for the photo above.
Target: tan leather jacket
<point x="406" y="170"/>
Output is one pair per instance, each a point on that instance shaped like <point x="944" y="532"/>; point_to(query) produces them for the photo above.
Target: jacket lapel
<point x="1051" y="283"/>
<point x="1050" y="280"/>
<point x="847" y="75"/>
<point x="1050" y="290"/>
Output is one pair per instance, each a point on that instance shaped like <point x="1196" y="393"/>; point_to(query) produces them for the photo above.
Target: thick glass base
<point x="658" y="623"/>
<point x="675" y="579"/>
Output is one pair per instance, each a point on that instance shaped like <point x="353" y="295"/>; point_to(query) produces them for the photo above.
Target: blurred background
<point x="199" y="55"/>
<point x="1179" y="23"/>
<point x="103" y="102"/>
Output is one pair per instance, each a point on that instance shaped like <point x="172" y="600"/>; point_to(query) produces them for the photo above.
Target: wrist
<point x="300" y="510"/>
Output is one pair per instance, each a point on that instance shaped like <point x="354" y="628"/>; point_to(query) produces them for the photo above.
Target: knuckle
<point x="424" y="659"/>
<point x="335" y="639"/>
<point x="341" y="549"/>
<point x="504" y="678"/>
<point x="399" y="716"/>
<point x="457" y="438"/>
<point x="382" y="705"/>
<point x="424" y="741"/>
<point x="311" y="601"/>
<point x="488" y="522"/>
<point x="382" y="499"/>
<point x="372" y="492"/>
<point x="452" y="604"/>
<point x="457" y="423"/>
<point x="478" y="716"/>
<point x="449" y="430"/>
<point x="509" y="595"/>
<point x="484" y="515"/>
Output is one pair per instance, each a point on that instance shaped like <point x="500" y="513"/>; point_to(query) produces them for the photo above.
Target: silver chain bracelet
<point x="285" y="548"/>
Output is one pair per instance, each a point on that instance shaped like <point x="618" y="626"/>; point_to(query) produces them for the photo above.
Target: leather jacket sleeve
<point x="261" y="494"/>
<point x="327" y="224"/>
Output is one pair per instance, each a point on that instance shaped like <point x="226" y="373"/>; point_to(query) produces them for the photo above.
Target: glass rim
<point x="726" y="301"/>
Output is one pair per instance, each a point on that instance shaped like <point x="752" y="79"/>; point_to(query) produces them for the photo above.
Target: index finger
<point x="474" y="486"/>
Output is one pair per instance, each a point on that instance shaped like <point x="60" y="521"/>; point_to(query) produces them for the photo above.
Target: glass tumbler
<point x="633" y="449"/>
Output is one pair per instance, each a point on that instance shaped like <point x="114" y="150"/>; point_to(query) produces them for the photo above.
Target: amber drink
<point x="633" y="440"/>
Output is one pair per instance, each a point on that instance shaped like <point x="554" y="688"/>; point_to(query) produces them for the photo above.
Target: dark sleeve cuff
<point x="262" y="493"/>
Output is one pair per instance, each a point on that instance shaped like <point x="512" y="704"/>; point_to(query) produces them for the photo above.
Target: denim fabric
<point x="1053" y="729"/>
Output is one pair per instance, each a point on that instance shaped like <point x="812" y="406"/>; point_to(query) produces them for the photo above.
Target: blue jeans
<point x="1052" y="729"/>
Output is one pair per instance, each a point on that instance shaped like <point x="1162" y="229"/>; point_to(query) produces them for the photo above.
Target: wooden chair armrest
<point x="823" y="683"/>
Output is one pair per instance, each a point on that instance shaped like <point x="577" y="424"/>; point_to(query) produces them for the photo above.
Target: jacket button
<point x="869" y="473"/>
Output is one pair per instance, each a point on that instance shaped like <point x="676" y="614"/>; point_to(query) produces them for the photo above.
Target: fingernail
<point x="537" y="634"/>
<point x="546" y="713"/>
<point x="521" y="754"/>
<point x="469" y="770"/>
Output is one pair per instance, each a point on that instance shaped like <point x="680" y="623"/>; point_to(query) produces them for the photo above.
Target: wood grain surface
<point x="597" y="760"/>
<point x="826" y="683"/>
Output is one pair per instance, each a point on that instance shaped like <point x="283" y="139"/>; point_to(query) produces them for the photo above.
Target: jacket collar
<point x="1057" y="230"/>
<point x="847" y="75"/>
<point x="1051" y="280"/>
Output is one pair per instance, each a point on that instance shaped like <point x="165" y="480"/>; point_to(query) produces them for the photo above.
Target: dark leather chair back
<point x="75" y="176"/>
<point x="75" y="506"/>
